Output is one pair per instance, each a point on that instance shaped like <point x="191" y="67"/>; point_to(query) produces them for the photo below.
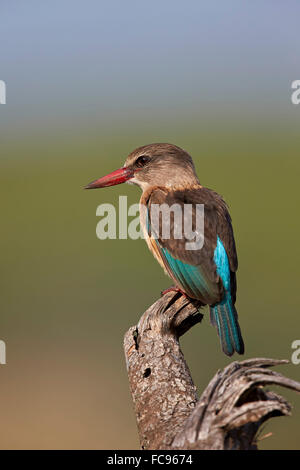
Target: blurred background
<point x="87" y="82"/>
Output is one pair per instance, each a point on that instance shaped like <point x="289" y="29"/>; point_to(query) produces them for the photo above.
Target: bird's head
<point x="153" y="165"/>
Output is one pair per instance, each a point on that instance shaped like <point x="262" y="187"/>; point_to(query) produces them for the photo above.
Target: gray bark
<point x="168" y="411"/>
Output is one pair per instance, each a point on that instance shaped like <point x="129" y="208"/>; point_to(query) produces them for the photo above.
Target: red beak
<point x="116" y="177"/>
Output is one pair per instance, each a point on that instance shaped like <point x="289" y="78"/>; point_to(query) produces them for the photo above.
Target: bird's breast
<point x="151" y="243"/>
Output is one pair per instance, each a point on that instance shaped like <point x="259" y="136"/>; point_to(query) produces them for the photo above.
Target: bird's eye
<point x="141" y="161"/>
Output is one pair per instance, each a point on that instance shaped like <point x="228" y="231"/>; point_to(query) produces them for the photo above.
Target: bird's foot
<point x="174" y="289"/>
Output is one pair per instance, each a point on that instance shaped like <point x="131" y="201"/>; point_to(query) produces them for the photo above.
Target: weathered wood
<point x="168" y="412"/>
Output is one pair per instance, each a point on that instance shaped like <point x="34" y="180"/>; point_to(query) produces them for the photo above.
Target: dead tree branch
<point x="169" y="414"/>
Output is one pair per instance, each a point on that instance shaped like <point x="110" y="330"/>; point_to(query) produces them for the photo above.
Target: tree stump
<point x="168" y="411"/>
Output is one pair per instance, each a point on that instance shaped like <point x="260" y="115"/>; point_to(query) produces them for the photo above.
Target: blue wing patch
<point x="188" y="276"/>
<point x="223" y="314"/>
<point x="222" y="263"/>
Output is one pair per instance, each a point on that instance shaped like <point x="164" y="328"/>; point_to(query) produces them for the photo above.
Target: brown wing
<point x="217" y="222"/>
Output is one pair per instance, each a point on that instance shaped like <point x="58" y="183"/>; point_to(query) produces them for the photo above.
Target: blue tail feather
<point x="224" y="316"/>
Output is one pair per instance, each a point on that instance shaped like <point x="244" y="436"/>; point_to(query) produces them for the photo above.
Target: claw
<point x="174" y="289"/>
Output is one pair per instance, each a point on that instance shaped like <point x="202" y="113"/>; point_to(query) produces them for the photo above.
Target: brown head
<point x="153" y="165"/>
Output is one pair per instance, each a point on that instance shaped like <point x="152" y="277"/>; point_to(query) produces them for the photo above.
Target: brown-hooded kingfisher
<point x="166" y="175"/>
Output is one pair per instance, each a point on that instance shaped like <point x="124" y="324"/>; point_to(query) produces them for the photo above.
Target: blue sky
<point x="73" y="59"/>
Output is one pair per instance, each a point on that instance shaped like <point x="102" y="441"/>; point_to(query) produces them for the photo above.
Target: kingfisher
<point x="166" y="175"/>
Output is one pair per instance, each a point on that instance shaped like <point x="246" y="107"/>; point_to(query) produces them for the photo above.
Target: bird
<point x="166" y="175"/>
